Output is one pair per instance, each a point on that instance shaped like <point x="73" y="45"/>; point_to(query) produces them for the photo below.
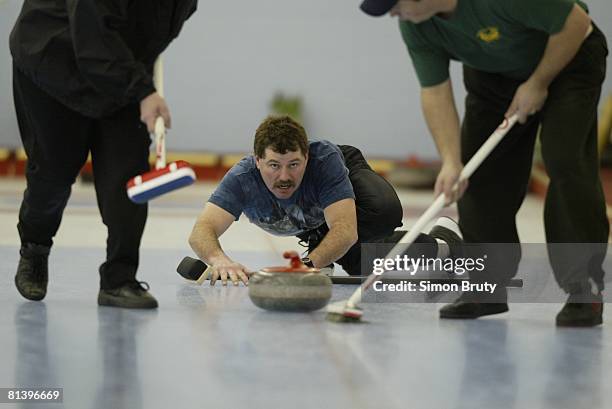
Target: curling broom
<point x="165" y="177"/>
<point x="348" y="310"/>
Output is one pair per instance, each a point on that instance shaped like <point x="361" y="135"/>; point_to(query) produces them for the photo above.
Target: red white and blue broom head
<point x="142" y="188"/>
<point x="165" y="178"/>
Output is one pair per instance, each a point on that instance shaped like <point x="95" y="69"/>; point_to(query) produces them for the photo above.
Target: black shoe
<point x="33" y="271"/>
<point x="471" y="310"/>
<point x="134" y="294"/>
<point x="581" y="310"/>
<point x="471" y="306"/>
<point x="447" y="230"/>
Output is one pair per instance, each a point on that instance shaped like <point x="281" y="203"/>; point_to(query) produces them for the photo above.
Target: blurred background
<point x="347" y="76"/>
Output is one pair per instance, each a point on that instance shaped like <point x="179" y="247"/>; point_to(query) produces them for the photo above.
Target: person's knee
<point x="48" y="189"/>
<point x="567" y="164"/>
<point x="560" y="169"/>
<point x="481" y="223"/>
<point x="394" y="211"/>
<point x="45" y="174"/>
<point x="375" y="198"/>
<point x="378" y="223"/>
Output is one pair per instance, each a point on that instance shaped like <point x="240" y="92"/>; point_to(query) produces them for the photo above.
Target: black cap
<point x="377" y="7"/>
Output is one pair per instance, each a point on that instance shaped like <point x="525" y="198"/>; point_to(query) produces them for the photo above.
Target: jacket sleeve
<point x="101" y="54"/>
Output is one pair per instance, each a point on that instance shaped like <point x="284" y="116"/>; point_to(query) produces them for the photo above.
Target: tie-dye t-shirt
<point x="325" y="182"/>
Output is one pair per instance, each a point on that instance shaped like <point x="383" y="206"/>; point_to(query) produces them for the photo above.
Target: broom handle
<point x="160" y="127"/>
<point x="438" y="204"/>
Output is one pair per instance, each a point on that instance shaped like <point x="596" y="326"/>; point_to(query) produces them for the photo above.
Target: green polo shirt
<point x="501" y="36"/>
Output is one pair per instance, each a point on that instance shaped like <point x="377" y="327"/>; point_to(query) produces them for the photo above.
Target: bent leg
<point x="56" y="141"/>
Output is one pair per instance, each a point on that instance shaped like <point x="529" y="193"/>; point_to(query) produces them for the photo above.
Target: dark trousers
<point x="575" y="210"/>
<point x="57" y="141"/>
<point x="379" y="212"/>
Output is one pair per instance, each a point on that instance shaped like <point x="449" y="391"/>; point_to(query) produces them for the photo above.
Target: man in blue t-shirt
<point x="325" y="194"/>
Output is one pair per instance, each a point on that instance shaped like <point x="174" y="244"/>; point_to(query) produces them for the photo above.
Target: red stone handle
<point x="294" y="259"/>
<point x="295" y="265"/>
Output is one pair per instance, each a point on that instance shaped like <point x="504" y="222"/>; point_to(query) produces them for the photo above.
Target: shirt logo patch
<point x="489" y="34"/>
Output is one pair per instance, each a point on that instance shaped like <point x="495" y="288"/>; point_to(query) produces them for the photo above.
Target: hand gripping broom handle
<point x="438" y="204"/>
<point x="160" y="127"/>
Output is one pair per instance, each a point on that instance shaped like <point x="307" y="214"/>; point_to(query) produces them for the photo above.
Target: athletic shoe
<point x="447" y="230"/>
<point x="328" y="270"/>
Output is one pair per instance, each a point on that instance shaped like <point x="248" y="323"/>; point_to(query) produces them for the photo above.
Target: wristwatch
<point x="308" y="262"/>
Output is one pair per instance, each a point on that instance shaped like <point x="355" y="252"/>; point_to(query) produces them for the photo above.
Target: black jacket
<point x="95" y="56"/>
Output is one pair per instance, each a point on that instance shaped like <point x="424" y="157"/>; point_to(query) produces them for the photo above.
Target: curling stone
<point x="296" y="287"/>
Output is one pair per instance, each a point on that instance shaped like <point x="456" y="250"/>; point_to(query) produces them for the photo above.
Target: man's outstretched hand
<point x="223" y="270"/>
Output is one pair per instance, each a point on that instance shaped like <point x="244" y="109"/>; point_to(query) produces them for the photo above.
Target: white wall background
<point x="352" y="71"/>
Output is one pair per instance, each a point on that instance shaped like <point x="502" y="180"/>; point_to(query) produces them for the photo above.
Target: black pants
<point x="575" y="210"/>
<point x="57" y="141"/>
<point x="379" y="212"/>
